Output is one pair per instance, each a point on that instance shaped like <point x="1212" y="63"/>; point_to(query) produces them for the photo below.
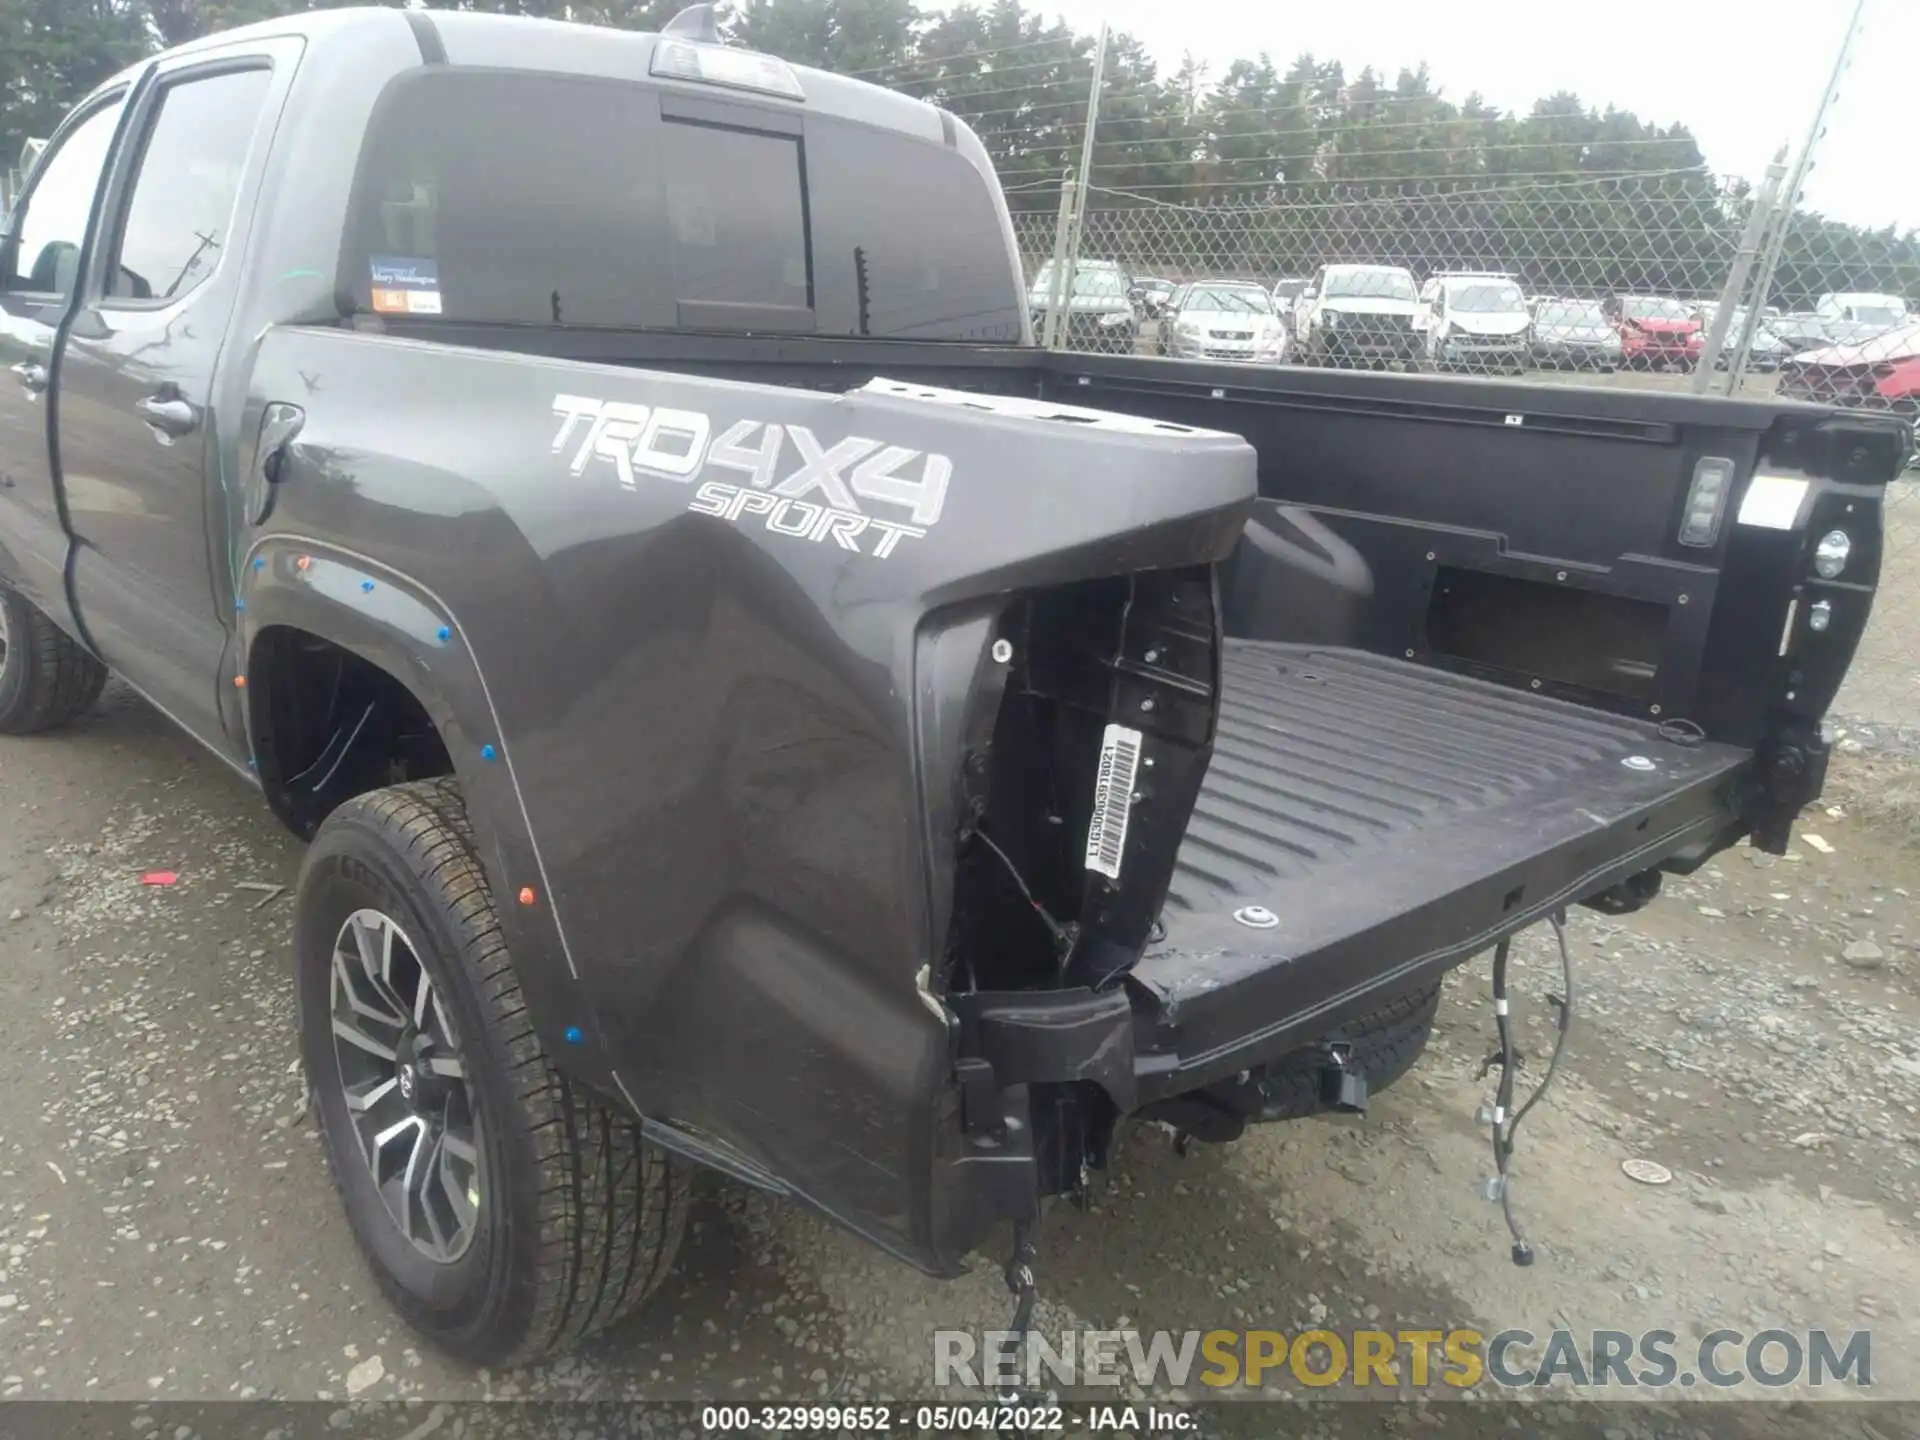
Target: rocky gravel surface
<point x="168" y="1233"/>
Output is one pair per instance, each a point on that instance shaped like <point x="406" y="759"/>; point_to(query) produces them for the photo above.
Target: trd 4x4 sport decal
<point x="794" y="484"/>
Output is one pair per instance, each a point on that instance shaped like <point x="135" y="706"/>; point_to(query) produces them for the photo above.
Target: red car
<point x="1655" y="331"/>
<point x="1878" y="374"/>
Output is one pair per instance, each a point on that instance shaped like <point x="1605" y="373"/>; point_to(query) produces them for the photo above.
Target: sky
<point x="1743" y="75"/>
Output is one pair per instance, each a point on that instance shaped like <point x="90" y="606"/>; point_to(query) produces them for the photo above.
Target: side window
<point x="181" y="207"/>
<point x="53" y="222"/>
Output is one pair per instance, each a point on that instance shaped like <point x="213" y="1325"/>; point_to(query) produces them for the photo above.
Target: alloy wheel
<point x="405" y="1085"/>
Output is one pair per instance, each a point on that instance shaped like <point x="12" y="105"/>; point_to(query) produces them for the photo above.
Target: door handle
<point x="170" y="418"/>
<point x="33" y="376"/>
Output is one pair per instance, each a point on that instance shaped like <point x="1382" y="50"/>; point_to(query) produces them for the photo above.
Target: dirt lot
<point x="167" y="1229"/>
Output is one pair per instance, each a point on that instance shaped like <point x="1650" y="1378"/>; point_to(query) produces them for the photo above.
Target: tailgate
<point x="1391" y="820"/>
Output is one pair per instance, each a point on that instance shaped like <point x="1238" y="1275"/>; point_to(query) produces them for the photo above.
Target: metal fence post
<point x="1736" y="286"/>
<point x="1057" y="290"/>
<point x="1073" y="202"/>
<point x="1790" y="201"/>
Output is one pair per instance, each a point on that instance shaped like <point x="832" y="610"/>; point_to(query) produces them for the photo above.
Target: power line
<point x="1066" y="44"/>
<point x="1147" y="163"/>
<point x="1208" y="123"/>
<point x="1555" y="176"/>
<point x="1336" y="134"/>
<point x="1544" y="180"/>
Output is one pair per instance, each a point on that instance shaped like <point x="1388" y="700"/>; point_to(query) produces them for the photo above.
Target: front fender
<point x="398" y="624"/>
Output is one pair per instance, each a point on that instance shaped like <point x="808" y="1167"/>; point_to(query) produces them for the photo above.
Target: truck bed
<point x="1394" y="819"/>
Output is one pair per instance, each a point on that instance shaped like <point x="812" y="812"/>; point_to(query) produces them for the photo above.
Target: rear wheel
<point x="505" y="1211"/>
<point x="46" y="678"/>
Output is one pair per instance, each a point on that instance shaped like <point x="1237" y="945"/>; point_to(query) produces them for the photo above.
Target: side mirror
<point x="1309" y="294"/>
<point x="1136" y="293"/>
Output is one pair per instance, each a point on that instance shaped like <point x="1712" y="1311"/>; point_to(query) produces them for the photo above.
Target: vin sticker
<point x="1112" y="800"/>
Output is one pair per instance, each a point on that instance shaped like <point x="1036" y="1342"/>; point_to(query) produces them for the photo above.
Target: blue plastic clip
<point x="487" y="752"/>
<point x="366" y="587"/>
<point x="574" y="1037"/>
<point x="259" y="562"/>
<point x="443" y="634"/>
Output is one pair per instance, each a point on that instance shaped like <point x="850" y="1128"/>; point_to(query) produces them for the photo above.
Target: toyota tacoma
<point x="751" y="709"/>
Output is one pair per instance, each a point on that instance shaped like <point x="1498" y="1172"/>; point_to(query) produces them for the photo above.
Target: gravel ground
<point x="168" y="1232"/>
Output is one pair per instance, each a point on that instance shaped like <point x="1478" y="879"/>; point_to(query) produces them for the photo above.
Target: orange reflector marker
<point x="526" y="895"/>
<point x="239" y="682"/>
<point x="303" y="562"/>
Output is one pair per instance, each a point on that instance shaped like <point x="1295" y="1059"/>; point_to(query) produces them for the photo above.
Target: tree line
<point x="1264" y="166"/>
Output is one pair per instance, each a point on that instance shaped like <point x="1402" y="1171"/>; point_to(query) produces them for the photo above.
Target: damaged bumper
<point x="1365" y="825"/>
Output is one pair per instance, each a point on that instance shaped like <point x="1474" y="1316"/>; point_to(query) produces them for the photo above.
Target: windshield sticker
<point x="405" y="286"/>
<point x="859" y="494"/>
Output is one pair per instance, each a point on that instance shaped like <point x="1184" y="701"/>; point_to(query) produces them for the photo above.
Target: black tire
<point x="1382" y="1045"/>
<point x="575" y="1221"/>
<point x="46" y="677"/>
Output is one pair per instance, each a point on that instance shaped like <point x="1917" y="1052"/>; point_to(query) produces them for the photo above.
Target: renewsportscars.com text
<point x="1226" y="1360"/>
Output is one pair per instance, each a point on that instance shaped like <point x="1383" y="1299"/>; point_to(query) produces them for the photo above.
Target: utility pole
<point x="1056" y="322"/>
<point x="1763" y="287"/>
<point x="1750" y="241"/>
<point x="1057" y="290"/>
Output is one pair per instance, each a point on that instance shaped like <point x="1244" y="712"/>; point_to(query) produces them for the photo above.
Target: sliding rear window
<point x="489" y="196"/>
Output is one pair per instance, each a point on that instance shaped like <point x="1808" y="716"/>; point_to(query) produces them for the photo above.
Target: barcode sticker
<point x="1112" y="800"/>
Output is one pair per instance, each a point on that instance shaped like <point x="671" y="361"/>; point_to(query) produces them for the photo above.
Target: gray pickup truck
<point x="750" y="708"/>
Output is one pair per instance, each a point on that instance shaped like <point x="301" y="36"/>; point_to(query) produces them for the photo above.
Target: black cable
<point x="1504" y="1129"/>
<point x="1060" y="935"/>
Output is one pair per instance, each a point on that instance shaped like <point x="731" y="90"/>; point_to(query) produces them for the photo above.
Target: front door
<point x="39" y="272"/>
<point x="138" y="447"/>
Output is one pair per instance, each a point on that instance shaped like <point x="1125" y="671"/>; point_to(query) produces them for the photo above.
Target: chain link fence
<point x="1611" y="279"/>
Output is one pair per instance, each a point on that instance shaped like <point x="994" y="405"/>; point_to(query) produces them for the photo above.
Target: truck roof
<point x="519" y="42"/>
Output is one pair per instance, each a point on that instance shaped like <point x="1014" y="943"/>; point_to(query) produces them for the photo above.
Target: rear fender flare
<point x="394" y="622"/>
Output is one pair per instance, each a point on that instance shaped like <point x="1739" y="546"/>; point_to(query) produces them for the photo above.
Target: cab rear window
<point x="490" y="196"/>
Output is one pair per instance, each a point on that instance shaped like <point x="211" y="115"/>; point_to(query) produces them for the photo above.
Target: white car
<point x="1358" y="315"/>
<point x="1480" y="322"/>
<point x="1223" y="320"/>
<point x="1430" y="290"/>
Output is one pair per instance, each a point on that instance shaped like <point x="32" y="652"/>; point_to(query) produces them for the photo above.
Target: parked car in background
<point x="1851" y="318"/>
<point x="1223" y="320"/>
<point x="1154" y="294"/>
<point x="1480" y="322"/>
<point x="1800" y="330"/>
<point x="1102" y="314"/>
<point x="1358" y="315"/>
<point x="1430" y="291"/>
<point x="1766" y="350"/>
<point x="1286" y="298"/>
<point x="1655" y="331"/>
<point x="1878" y="374"/>
<point x="1573" y="334"/>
